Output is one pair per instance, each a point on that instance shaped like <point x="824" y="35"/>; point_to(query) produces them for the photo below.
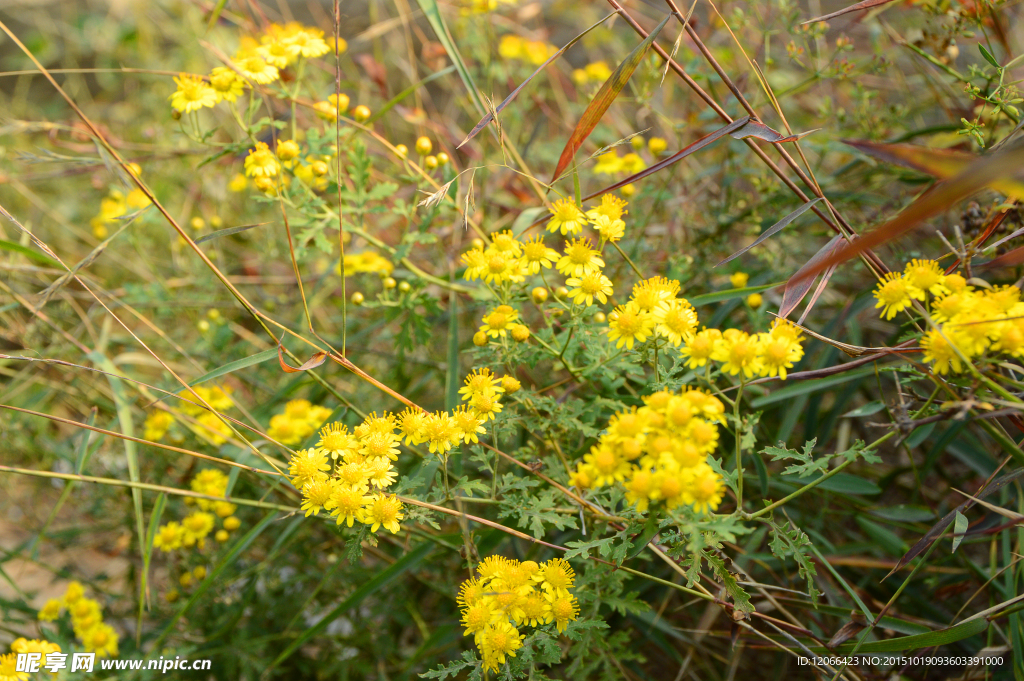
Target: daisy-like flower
<point x="632" y="164"/>
<point x="591" y="285"/>
<point x="9" y="668"/>
<point x="379" y="472"/>
<point x="499" y="268"/>
<point x="278" y="53"/>
<point x="353" y="474"/>
<point x="226" y="84"/>
<point x="609" y="229"/>
<point x="376" y="444"/>
<point x="315" y="494"/>
<point x="675" y="320"/>
<point x="499" y="641"/>
<point x="894" y="294"/>
<point x="608" y="163"/>
<point x="385" y="511"/>
<point x="485" y="406"/>
<point x="739" y="279"/>
<point x="441" y="432"/>
<point x="196" y="526"/>
<point x="1009" y="338"/>
<point x="536" y="255"/>
<point x="555" y="575"/>
<point x="580" y="258"/>
<point x="336" y="441"/>
<point x="940" y="347"/>
<point x="534" y="610"/>
<point x="100" y="639"/>
<point x="507" y="244"/>
<point x="926" y="275"/>
<point x="611" y="207"/>
<point x="704" y="489"/>
<point x="262" y="162"/>
<point x="566" y="218"/>
<point x="193" y="94"/>
<point x="476" y="618"/>
<point x="630" y="324"/>
<point x="310" y="43"/>
<point x="346" y="503"/>
<point x="476" y="264"/>
<point x="699" y="347"/>
<point x="703" y="435"/>
<point x="480" y="382"/>
<point x="608" y="466"/>
<point x="255" y="68"/>
<point x="468" y="423"/>
<point x="410" y="424"/>
<point x="497" y="321"/>
<point x="640" y="489"/>
<point x="564" y="609"/>
<point x="583" y="477"/>
<point x="738" y="352"/>
<point x="50" y="610"/>
<point x="779" y="352"/>
<point x="306" y="465"/>
<point x="169" y="537"/>
<point x="650" y="293"/>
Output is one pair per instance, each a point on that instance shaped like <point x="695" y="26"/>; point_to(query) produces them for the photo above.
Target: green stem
<point x="739" y="451"/>
<point x="623" y="254"/>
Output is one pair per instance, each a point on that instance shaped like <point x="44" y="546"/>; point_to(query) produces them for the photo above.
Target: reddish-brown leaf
<point x="940" y="163"/>
<point x="313" y="362"/>
<point x="508" y="100"/>
<point x="604" y="98"/>
<point x="981" y="173"/>
<point x="866" y="4"/>
<point x="1008" y="259"/>
<point x="799" y="285"/>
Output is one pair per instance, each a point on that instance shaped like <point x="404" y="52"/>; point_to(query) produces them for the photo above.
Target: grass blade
<point x="390" y="104"/>
<point x="433" y="14"/>
<point x="866" y="4"/>
<point x="228" y="231"/>
<point x="777" y="227"/>
<point x="798" y="286"/>
<point x="603" y="99"/>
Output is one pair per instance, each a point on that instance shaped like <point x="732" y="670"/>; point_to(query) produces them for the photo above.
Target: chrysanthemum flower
<point x="336" y="441"/>
<point x="102" y="640"/>
<point x="940" y="348"/>
<point x="650" y="293"/>
<point x="555" y="575"/>
<point x="564" y="608"/>
<point x="507" y="244"/>
<point x="50" y="610"/>
<point x="256" y="68"/>
<point x="196" y="526"/>
<point x="193" y="94"/>
<point x="384" y="511"/>
<point x="566" y="218"/>
<point x="611" y="207"/>
<point x="703" y="435"/>
<point x="169" y="537"/>
<point x="346" y="503"/>
<point x="262" y="162"/>
<point x="306" y="465"/>
<point x="632" y="164"/>
<point x="925" y="275"/>
<point x="469" y="423"/>
<point x="628" y="424"/>
<point x="704" y="489"/>
<point x="778" y="353"/>
<point x="589" y="286"/>
<point x="631" y="324"/>
<point x="498" y="320"/>
<point x="537" y="255"/>
<point x="675" y="320"/>
<point x="374" y="445"/>
<point x="607" y="465"/>
<point x="534" y="610"/>
<point x="608" y="163"/>
<point x="410" y="424"/>
<point x="700" y="347"/>
<point x="477" y="617"/>
<point x="485" y="406"/>
<point x="9" y="668"/>
<point x="609" y="229"/>
<point x="278" y="53"/>
<point x="310" y="43"/>
<point x="442" y="432"/>
<point x="739" y="279"/>
<point x="353" y="474"/>
<point x="579" y="259"/>
<point x="379" y="472"/>
<point x="497" y="642"/>
<point x="226" y="84"/>
<point x="894" y="294"/>
<point x="157" y="424"/>
<point x="315" y="494"/>
<point x="738" y="352"/>
<point x="499" y="268"/>
<point x="480" y="381"/>
<point x="74" y="593"/>
<point x="476" y="264"/>
<point x="583" y="477"/>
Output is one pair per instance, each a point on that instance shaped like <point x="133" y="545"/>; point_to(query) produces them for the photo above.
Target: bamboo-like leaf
<point x="755" y="128"/>
<point x="673" y="159"/>
<point x="433" y="14"/>
<point x="228" y="231"/>
<point x="777" y="227"/>
<point x="508" y="100"/>
<point x="959" y="529"/>
<point x="29" y="253"/>
<point x="1008" y="259"/>
<point x="730" y="294"/>
<point x="866" y="4"/>
<point x="981" y="173"/>
<point x="940" y="163"/>
<point x="610" y="89"/>
<point x="931" y="639"/>
<point x="313" y="362"/>
<point x="797" y="287"/>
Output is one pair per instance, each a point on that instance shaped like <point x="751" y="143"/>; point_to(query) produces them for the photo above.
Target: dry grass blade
<point x="981" y="173"/>
<point x="1008" y="259"/>
<point x="508" y="100"/>
<point x="865" y="4"/>
<point x="774" y="229"/>
<point x="674" y="158"/>
<point x="798" y="285"/>
<point x="940" y="163"/>
<point x="755" y="128"/>
<point x="313" y="362"/>
<point x="604" y="98"/>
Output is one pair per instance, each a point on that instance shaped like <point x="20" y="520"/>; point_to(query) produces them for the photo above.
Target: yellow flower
<point x="442" y="432"/>
<point x="336" y="441"/>
<point x="926" y="275"/>
<point x="50" y="610"/>
<point x="384" y="511"/>
<point x="498" y="320"/>
<point x="193" y="94"/>
<point x="703" y="489"/>
<point x="650" y="293"/>
<point x="498" y="641"/>
<point x="779" y="352"/>
<point x="480" y="382"/>
<point x="537" y="52"/>
<point x="238" y="183"/>
<point x="196" y="526"/>
<point x="739" y="279"/>
<point x="476" y="264"/>
<point x="587" y="287"/>
<point x="754" y="300"/>
<point x="536" y="255"/>
<point x="608" y="163"/>
<point x="102" y="640"/>
<point x="940" y="347"/>
<point x="607" y="465"/>
<point x="277" y="52"/>
<point x="306" y="465"/>
<point x="598" y="71"/>
<point x="738" y="352"/>
<point x="468" y="423"/>
<point x="894" y="294"/>
<point x="346" y="503"/>
<point x="611" y="206"/>
<point x="261" y="162"/>
<point x="580" y="258"/>
<point x="169" y="537"/>
<point x="505" y="243"/>
<point x="510" y="46"/>
<point x="657" y="146"/>
<point x="566" y="218"/>
<point x="311" y="44"/>
<point x="608" y="229"/>
<point x="485" y="406"/>
<point x="700" y="347"/>
<point x="564" y="609"/>
<point x="255" y="68"/>
<point x="630" y="324"/>
<point x="632" y="164"/>
<point x="8" y="668"/>
<point x="675" y="320"/>
<point x="226" y="84"/>
<point x="157" y="424"/>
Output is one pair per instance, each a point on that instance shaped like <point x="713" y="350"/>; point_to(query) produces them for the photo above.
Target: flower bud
<point x="287" y="150"/>
<point x="361" y="113"/>
<point x="479" y="339"/>
<point x="539" y="294"/>
<point x="520" y="333"/>
<point x="424" y="146"/>
<point x="511" y="384"/>
<point x="402" y="150"/>
<point x="442" y="159"/>
<point x="430" y="162"/>
<point x="404" y="287"/>
<point x="389" y="282"/>
<point x="357" y="298"/>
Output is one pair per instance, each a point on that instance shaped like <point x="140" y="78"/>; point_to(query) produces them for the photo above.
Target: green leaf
<point x="811" y="386"/>
<point x="436" y="21"/>
<point x="730" y="294"/>
<point x="235" y="366"/>
<point x="29" y="253"/>
<point x="865" y="410"/>
<point x="844" y="483"/>
<point x="407" y="562"/>
<point x="887" y="540"/>
<point x="904" y="513"/>
<point x="793" y="541"/>
<point x="988" y="56"/>
<point x="959" y="528"/>
<point x="609" y="90"/>
<point x="929" y="640"/>
<point x="228" y="231"/>
<point x="644" y="538"/>
<point x="740" y="598"/>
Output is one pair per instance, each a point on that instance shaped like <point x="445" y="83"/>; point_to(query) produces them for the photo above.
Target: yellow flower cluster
<point x="535" y="52"/>
<point x="211" y="428"/>
<point x="115" y="206"/>
<point x="299" y="420"/>
<point x="367" y="261"/>
<point x="749" y="355"/>
<point x="610" y="163"/>
<point x="347" y="472"/>
<point x="195" y="527"/>
<point x="594" y="72"/>
<point x="969" y="322"/>
<point x="86" y="621"/>
<point x="9" y="662"/>
<point x="257" y="62"/>
<point x="652" y="310"/>
<point x="507" y="594"/>
<point x="659" y="452"/>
